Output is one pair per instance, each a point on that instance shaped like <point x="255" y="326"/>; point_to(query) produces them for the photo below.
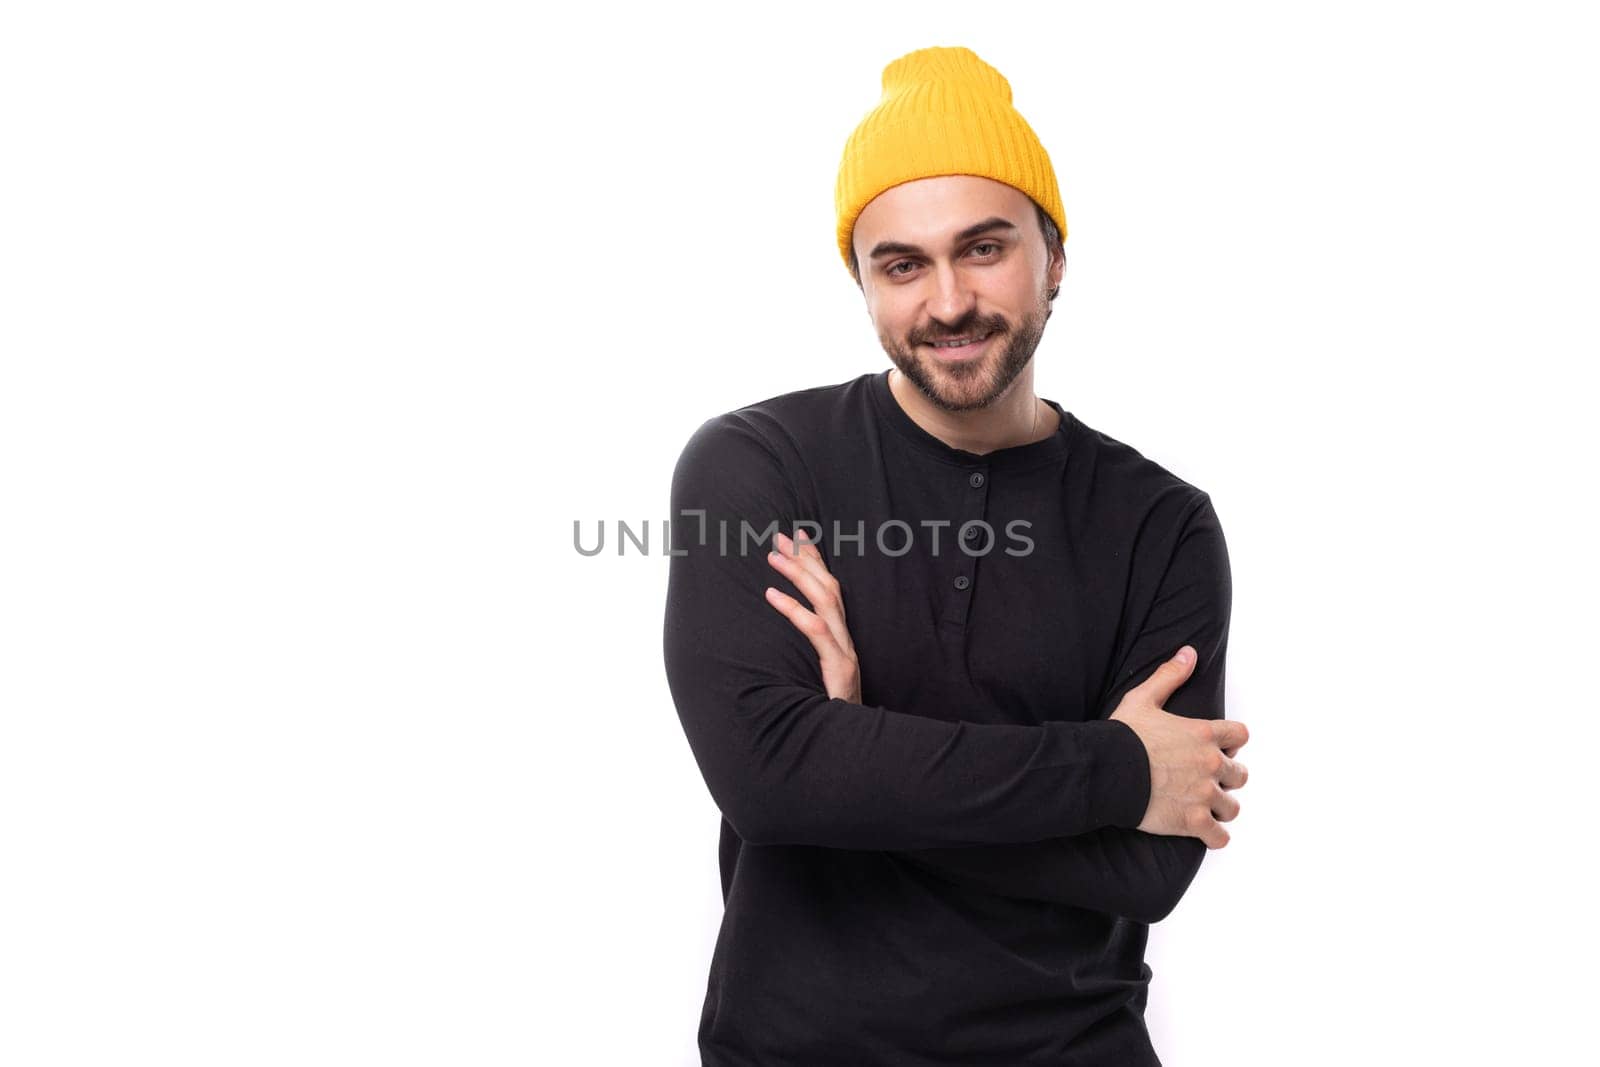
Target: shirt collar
<point x="1014" y="458"/>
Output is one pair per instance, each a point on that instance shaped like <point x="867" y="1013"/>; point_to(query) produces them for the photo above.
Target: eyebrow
<point x="898" y="248"/>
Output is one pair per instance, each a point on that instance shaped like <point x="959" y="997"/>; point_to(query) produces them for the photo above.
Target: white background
<point x="321" y="323"/>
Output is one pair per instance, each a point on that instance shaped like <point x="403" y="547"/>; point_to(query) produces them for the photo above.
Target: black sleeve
<point x="789" y="765"/>
<point x="1115" y="870"/>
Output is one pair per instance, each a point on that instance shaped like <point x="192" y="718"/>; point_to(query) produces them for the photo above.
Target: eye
<point x="986" y="244"/>
<point x="891" y="270"/>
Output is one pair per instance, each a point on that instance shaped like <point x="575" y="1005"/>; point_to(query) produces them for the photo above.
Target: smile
<point x="950" y="350"/>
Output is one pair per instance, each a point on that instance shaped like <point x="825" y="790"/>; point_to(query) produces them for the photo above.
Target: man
<point x="950" y="811"/>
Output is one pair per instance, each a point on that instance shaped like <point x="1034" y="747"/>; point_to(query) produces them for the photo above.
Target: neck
<point x="1017" y="416"/>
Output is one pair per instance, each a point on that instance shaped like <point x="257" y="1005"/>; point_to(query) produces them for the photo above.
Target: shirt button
<point x="976" y="480"/>
<point x="962" y="581"/>
<point x="973" y="533"/>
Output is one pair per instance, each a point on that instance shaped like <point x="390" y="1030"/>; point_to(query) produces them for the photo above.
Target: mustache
<point x="968" y="330"/>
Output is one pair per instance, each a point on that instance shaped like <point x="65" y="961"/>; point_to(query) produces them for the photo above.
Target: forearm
<point x="1117" y="870"/>
<point x="788" y="765"/>
<point x="1112" y="870"/>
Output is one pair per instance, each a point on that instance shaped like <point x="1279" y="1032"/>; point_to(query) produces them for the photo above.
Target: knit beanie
<point x="943" y="111"/>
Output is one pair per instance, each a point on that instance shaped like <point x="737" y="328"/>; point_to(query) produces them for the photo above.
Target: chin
<point x="963" y="387"/>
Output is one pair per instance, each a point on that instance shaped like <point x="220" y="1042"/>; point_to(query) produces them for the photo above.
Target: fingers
<point x="840" y="673"/>
<point x="810" y="575"/>
<point x="1229" y="735"/>
<point x="823" y="623"/>
<point x="1213" y="834"/>
<point x="804" y="552"/>
<point x="1234" y="774"/>
<point x="1224" y="806"/>
<point x="807" y="622"/>
<point x="1159" y="687"/>
<point x="806" y="546"/>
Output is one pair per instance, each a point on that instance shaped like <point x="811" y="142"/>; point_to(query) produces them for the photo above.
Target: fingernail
<point x="1185" y="655"/>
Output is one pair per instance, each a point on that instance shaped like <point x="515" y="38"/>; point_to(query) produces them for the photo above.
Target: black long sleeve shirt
<point x="947" y="872"/>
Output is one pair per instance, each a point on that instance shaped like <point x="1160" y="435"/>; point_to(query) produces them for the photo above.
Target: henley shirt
<point x="947" y="872"/>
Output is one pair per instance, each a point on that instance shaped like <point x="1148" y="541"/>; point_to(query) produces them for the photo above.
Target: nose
<point x="952" y="300"/>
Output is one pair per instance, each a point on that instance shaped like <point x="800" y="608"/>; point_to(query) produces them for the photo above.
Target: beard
<point x="976" y="383"/>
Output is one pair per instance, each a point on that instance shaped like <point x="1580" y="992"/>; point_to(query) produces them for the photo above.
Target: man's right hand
<point x="1191" y="760"/>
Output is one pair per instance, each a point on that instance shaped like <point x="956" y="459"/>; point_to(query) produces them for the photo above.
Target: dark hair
<point x="1047" y="226"/>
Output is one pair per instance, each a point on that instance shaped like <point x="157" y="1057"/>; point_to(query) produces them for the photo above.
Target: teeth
<point x="958" y="344"/>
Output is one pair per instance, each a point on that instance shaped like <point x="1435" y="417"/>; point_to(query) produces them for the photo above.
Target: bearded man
<point x="964" y="722"/>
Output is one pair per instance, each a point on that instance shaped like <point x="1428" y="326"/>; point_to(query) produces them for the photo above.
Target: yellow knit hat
<point x="943" y="111"/>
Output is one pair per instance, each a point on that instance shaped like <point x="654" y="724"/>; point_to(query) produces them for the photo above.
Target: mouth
<point x="966" y="348"/>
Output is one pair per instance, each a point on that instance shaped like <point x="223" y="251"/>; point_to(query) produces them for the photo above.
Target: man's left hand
<point x="824" y="623"/>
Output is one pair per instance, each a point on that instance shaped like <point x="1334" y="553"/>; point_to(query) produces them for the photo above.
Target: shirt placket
<point x="962" y="572"/>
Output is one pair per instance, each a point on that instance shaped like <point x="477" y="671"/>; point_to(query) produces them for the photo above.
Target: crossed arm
<point x="1116" y="870"/>
<point x="1055" y="804"/>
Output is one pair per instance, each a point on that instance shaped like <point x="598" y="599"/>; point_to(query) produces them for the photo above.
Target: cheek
<point x="1015" y="299"/>
<point x="891" y="321"/>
